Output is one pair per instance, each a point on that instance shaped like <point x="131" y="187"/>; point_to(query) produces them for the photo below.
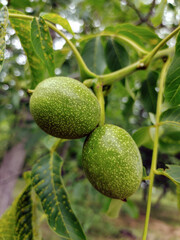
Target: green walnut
<point x="112" y="162"/>
<point x="63" y="107"/>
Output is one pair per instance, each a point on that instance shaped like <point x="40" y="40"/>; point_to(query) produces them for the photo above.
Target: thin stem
<point x="98" y="89"/>
<point x="120" y="74"/>
<point x="163" y="173"/>
<point x="155" y="148"/>
<point x="80" y="61"/>
<point x="150" y="55"/>
<point x="56" y="144"/>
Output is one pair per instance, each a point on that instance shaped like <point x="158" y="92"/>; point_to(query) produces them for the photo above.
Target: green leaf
<point x="148" y="92"/>
<point x="144" y="172"/>
<point x="23" y="30"/>
<point x="178" y="196"/>
<point x="116" y="55"/>
<point x="7" y="223"/>
<point x="114" y="208"/>
<point x="50" y="189"/>
<point x="3" y="26"/>
<point x="136" y="36"/>
<point x="171" y="116"/>
<point x="144" y="137"/>
<point x="24" y="216"/>
<point x="172" y="86"/>
<point x="17" y="221"/>
<point x="172" y="172"/>
<point x="42" y="43"/>
<point x="57" y="19"/>
<point x="169" y="141"/>
<point x="19" y="3"/>
<point x="93" y="55"/>
<point x="157" y="18"/>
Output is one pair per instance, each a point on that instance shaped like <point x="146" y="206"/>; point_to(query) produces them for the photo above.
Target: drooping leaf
<point x="50" y="189"/>
<point x="157" y="18"/>
<point x="42" y="43"/>
<point x="172" y="86"/>
<point x="7" y="223"/>
<point x="23" y="30"/>
<point x="172" y="172"/>
<point x="171" y="116"/>
<point x="144" y="137"/>
<point x="93" y="55"/>
<point x="57" y="19"/>
<point x="116" y="55"/>
<point x="148" y="92"/>
<point x="3" y="26"/>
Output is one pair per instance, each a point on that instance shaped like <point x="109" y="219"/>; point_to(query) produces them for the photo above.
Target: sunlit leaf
<point x="57" y="19"/>
<point x="23" y="30"/>
<point x="135" y="35"/>
<point x="143" y="137"/>
<point x="172" y="87"/>
<point x="171" y="116"/>
<point x="19" y="3"/>
<point x="114" y="208"/>
<point x="93" y="55"/>
<point x="3" y="26"/>
<point x="7" y="223"/>
<point x="50" y="189"/>
<point x="42" y="43"/>
<point x="157" y="18"/>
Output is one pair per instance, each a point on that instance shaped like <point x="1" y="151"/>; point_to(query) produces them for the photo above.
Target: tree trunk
<point x="10" y="169"/>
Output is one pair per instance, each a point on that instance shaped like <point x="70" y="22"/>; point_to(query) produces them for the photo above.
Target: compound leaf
<point x="23" y="30"/>
<point x="50" y="189"/>
<point x="57" y="19"/>
<point x="3" y="26"/>
<point x="172" y="87"/>
<point x="42" y="43"/>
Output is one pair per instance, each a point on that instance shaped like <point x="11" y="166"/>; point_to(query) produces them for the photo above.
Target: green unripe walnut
<point x="63" y="107"/>
<point x="112" y="162"/>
